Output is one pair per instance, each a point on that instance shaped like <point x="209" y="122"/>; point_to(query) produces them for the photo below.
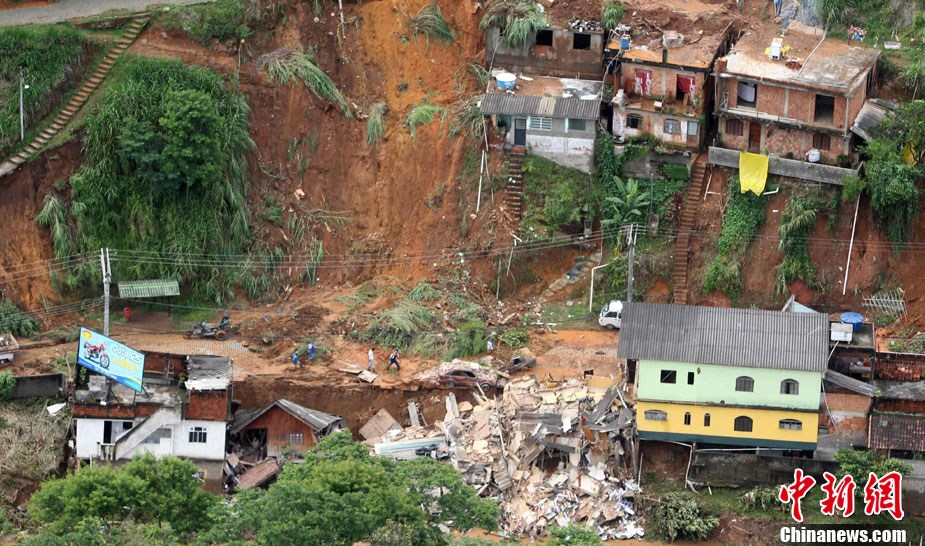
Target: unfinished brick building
<point x="790" y="94"/>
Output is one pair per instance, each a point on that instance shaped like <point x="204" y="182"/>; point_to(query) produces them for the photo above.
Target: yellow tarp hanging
<point x="753" y="172"/>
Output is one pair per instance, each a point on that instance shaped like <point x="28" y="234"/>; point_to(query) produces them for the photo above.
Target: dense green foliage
<point x="164" y="172"/>
<point x="94" y="531"/>
<point x="555" y="196"/>
<point x="13" y="320"/>
<point x="514" y="338"/>
<point x="628" y="204"/>
<point x="469" y="339"/>
<point x="574" y="535"/>
<point x="795" y="224"/>
<point x="342" y="495"/>
<point x="146" y="490"/>
<point x="612" y="13"/>
<point x="859" y="465"/>
<point x="679" y="515"/>
<point x="518" y="19"/>
<point x="224" y="20"/>
<point x="430" y="23"/>
<point x="299" y="66"/>
<point x="744" y="216"/>
<point x="7" y="382"/>
<point x="49" y="56"/>
<point x="892" y="184"/>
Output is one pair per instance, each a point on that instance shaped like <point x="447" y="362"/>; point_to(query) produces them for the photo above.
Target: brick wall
<point x="208" y="405"/>
<point x="848" y="402"/>
<point x="113" y="411"/>
<point x="664" y="82"/>
<point x="900" y="367"/>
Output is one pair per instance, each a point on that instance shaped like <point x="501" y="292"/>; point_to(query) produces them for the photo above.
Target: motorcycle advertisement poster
<point x="110" y="358"/>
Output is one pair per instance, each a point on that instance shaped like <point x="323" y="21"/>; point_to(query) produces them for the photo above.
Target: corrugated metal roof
<point x="870" y="116"/>
<point x="318" y="420"/>
<point x="897" y="431"/>
<point x="849" y="383"/>
<point x="728" y="337"/>
<point x="149" y="289"/>
<point x="208" y="373"/>
<point x="553" y="107"/>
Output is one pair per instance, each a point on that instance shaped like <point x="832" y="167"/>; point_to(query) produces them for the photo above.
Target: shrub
<point x="398" y="326"/>
<point x="762" y="498"/>
<point x="469" y="340"/>
<point x="611" y="14"/>
<point x="468" y="119"/>
<point x="375" y="125"/>
<point x="422" y="114"/>
<point x="859" y="465"/>
<point x="289" y="65"/>
<point x="519" y="19"/>
<point x="430" y="22"/>
<point x="679" y="515"/>
<point x="7" y="382"/>
<point x="49" y="56"/>
<point x="13" y="320"/>
<point x="574" y="535"/>
<point x="515" y="338"/>
<point x="221" y="20"/>
<point x="795" y="223"/>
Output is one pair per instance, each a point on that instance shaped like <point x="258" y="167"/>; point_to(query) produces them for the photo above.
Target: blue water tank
<point x="854" y="319"/>
<point x="625" y="41"/>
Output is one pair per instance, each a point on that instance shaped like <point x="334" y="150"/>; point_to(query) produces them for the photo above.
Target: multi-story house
<point x="788" y="95"/>
<point x="554" y="51"/>
<point x="665" y="87"/>
<point x="182" y="411"/>
<point x="743" y="377"/>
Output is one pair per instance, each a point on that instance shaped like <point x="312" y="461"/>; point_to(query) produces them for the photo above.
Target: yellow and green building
<point x="710" y="375"/>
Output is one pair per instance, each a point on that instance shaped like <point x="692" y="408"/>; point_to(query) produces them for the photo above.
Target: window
<point x="692" y="128"/>
<point x="544" y="37"/>
<point x="684" y="86"/>
<point x="789" y="386"/>
<point x="672" y="127"/>
<point x="197" y="435"/>
<point x="574" y="125"/>
<point x="296" y="438"/>
<point x="706" y="419"/>
<point x="687" y="418"/>
<point x="669" y="376"/>
<point x="825" y="109"/>
<point x="539" y="124"/>
<point x="127" y="425"/>
<point x="735" y="127"/>
<point x="743" y="424"/>
<point x="745" y="383"/>
<point x="790" y="424"/>
<point x="581" y="40"/>
<point x="656" y="415"/>
<point x="633" y="121"/>
<point x="690" y="378"/>
<point x="822" y="142"/>
<point x="748" y="95"/>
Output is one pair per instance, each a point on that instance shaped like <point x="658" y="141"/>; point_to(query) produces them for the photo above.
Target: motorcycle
<point x="97" y="353"/>
<point x="204" y="329"/>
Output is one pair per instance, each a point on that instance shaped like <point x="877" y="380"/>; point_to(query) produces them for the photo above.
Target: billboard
<point x="110" y="358"/>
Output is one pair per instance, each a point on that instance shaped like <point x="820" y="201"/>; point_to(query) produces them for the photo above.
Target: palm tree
<point x="796" y="220"/>
<point x="628" y="203"/>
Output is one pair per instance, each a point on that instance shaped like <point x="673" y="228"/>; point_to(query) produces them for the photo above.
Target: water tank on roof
<point x="625" y="41"/>
<point x="813" y="156"/>
<point x="854" y="319"/>
<point x="505" y="81"/>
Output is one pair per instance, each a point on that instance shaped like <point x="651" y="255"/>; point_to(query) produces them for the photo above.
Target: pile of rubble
<point x="550" y="454"/>
<point x="585" y="25"/>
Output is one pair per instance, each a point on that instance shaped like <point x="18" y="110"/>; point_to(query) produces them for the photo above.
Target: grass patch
<point x="795" y="224"/>
<point x="744" y="217"/>
<point x="554" y="195"/>
<point x="430" y="23"/>
<point x="273" y="211"/>
<point x="468" y="119"/>
<point x="13" y="320"/>
<point x="422" y="114"/>
<point x="519" y="20"/>
<point x="224" y="20"/>
<point x="49" y="56"/>
<point x="288" y="65"/>
<point x="375" y="125"/>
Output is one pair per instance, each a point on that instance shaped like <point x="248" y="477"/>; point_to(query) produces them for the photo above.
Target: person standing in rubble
<point x="393" y="360"/>
<point x="295" y="359"/>
<point x="372" y="360"/>
<point x="311" y="350"/>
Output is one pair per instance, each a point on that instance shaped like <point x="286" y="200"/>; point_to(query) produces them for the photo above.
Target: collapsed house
<point x="566" y="48"/>
<point x="256" y="434"/>
<point x="550" y="454"/>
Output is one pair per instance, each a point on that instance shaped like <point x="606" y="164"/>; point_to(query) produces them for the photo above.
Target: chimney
<point x="664" y="55"/>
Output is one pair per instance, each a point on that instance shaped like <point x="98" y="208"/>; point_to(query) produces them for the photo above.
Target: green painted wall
<point x="713" y="384"/>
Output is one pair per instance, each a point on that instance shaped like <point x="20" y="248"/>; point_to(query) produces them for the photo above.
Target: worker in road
<point x="372" y="360"/>
<point x="295" y="359"/>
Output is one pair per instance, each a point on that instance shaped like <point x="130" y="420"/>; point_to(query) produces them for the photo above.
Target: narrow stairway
<point x="514" y="185"/>
<point x="689" y="210"/>
<point x="77" y="101"/>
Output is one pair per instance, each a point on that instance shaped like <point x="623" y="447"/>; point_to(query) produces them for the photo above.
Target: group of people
<point x="393" y="360"/>
<point x="309" y="350"/>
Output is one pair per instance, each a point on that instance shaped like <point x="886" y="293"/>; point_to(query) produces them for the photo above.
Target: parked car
<point x="466" y="378"/>
<point x="611" y="315"/>
<point x="8" y="347"/>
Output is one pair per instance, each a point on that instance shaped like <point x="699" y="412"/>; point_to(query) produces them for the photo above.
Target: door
<point x="754" y="137"/>
<point x="520" y="132"/>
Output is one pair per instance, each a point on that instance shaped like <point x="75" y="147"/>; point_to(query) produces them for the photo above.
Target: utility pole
<point x="107" y="277"/>
<point x="631" y="237"/>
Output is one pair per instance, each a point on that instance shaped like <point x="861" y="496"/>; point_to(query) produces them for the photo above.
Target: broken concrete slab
<point x="379" y="425"/>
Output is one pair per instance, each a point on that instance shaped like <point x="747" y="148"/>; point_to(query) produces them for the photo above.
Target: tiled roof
<point x="897" y="431"/>
<point x="553" y="107"/>
<point x="728" y="337"/>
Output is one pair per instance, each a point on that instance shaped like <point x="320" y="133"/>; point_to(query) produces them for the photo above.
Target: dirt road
<point x="64" y="10"/>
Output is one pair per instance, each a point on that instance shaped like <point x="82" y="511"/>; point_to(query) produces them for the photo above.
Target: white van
<point x="611" y="315"/>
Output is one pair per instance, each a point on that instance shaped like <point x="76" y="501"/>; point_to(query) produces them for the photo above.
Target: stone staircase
<point x="689" y="210"/>
<point x="165" y="415"/>
<point x="514" y="185"/>
<point x="77" y="101"/>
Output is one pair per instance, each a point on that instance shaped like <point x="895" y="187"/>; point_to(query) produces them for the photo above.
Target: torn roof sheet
<point x="820" y="63"/>
<point x="871" y="115"/>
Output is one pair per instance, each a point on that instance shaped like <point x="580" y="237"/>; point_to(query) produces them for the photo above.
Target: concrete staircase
<point x="689" y="210"/>
<point x="77" y="101"/>
<point x="165" y="415"/>
<point x="514" y="185"/>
